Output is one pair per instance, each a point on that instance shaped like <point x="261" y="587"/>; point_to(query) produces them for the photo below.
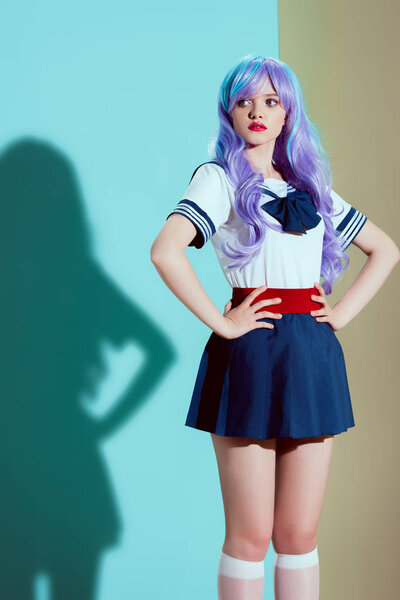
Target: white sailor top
<point x="286" y="260"/>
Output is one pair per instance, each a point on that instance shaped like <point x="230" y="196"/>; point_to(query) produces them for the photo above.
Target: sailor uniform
<point x="286" y="381"/>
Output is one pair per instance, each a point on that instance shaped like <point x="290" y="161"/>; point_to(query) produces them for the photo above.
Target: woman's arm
<point x="383" y="254"/>
<point x="169" y="258"/>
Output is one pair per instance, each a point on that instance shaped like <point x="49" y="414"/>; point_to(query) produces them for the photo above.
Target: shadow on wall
<point x="57" y="509"/>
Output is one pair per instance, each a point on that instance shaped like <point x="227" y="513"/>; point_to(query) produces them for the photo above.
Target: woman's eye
<point x="267" y="100"/>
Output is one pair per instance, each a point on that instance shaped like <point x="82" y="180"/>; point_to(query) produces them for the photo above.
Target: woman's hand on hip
<point x="243" y="318"/>
<point x="326" y="314"/>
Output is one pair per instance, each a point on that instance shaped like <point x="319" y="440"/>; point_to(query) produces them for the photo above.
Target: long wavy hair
<point x="298" y="155"/>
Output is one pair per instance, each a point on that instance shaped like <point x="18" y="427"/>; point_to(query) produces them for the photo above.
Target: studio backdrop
<point x="106" y="111"/>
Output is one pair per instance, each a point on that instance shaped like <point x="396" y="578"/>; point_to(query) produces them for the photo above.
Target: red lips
<point x="257" y="127"/>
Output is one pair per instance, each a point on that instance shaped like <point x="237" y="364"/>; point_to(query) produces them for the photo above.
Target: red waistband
<point x="294" y="300"/>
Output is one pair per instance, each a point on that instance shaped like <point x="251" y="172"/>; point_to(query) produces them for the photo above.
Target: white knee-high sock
<point x="296" y="576"/>
<point x="240" y="579"/>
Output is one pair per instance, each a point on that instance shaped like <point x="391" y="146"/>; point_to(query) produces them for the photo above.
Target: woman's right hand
<point x="243" y="318"/>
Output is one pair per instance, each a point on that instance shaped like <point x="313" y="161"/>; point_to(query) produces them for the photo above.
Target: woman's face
<point x="262" y="108"/>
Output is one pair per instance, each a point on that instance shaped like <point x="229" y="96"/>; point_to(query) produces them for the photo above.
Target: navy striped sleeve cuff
<point x="200" y="219"/>
<point x="350" y="227"/>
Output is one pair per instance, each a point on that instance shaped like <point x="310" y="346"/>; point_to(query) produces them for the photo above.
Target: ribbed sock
<point x="296" y="576"/>
<point x="240" y="579"/>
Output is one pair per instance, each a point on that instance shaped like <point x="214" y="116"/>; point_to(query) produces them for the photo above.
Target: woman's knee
<point x="293" y="540"/>
<point x="250" y="545"/>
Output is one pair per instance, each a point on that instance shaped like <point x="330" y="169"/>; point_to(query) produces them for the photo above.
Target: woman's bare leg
<point x="247" y="475"/>
<point x="302" y="468"/>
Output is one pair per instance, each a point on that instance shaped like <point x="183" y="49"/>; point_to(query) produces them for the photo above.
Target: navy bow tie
<point x="293" y="211"/>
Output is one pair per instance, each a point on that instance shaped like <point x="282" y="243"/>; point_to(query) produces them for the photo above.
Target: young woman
<point x="271" y="387"/>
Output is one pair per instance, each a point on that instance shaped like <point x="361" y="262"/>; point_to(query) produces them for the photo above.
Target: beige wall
<point x="346" y="55"/>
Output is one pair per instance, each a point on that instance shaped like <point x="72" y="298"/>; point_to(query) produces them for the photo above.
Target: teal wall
<point x="107" y="108"/>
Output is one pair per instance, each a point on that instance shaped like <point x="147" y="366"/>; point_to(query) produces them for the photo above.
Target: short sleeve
<point x="206" y="202"/>
<point x="347" y="220"/>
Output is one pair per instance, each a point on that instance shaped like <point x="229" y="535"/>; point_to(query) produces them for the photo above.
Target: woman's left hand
<point x="325" y="313"/>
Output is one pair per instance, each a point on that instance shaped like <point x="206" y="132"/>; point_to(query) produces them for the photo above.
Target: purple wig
<point x="298" y="155"/>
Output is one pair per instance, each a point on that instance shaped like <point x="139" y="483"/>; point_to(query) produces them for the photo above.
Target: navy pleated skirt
<point x="270" y="383"/>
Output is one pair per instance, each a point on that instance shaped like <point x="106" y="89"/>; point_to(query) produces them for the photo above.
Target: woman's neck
<point x="270" y="173"/>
